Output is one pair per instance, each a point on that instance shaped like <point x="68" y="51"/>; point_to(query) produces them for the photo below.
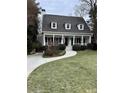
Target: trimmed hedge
<point x="78" y="47"/>
<point x="48" y="52"/>
<point x="89" y="46"/>
<point x="53" y="51"/>
<point x="92" y="46"/>
<point x="61" y="47"/>
<point x="82" y="47"/>
<point x="43" y="48"/>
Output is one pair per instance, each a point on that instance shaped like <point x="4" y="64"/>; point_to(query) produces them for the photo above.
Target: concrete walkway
<point x="34" y="61"/>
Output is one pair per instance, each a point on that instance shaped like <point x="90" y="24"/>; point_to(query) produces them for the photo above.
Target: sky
<point x="59" y="7"/>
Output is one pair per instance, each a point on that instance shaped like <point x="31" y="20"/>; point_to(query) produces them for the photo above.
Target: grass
<point x="70" y="75"/>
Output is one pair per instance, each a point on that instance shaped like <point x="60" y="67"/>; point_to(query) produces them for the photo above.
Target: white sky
<point x="59" y="7"/>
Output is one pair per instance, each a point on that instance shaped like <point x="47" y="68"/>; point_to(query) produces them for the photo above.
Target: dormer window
<point x="67" y="26"/>
<point x="54" y="25"/>
<point x="80" y="27"/>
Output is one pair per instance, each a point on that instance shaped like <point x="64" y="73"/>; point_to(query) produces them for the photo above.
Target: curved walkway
<point x="33" y="61"/>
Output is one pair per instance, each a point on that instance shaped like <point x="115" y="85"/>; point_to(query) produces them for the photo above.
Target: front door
<point x="68" y="41"/>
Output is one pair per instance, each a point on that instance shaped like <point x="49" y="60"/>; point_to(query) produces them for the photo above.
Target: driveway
<point x="35" y="60"/>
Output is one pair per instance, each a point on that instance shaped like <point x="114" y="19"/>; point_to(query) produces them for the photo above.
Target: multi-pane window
<point x="54" y="25"/>
<point x="67" y="26"/>
<point x="80" y="27"/>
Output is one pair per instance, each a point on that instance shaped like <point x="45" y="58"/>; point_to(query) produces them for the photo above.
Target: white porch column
<point x="73" y="40"/>
<point x="82" y="40"/>
<point x="62" y="42"/>
<point x="90" y="39"/>
<point x="53" y="38"/>
<point x="44" y="41"/>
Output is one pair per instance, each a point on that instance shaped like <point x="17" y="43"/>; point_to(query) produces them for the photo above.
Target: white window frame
<point x="52" y="23"/>
<point x="79" y="26"/>
<point x="66" y="26"/>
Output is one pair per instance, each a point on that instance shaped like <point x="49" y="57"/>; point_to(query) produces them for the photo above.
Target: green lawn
<point x="70" y="75"/>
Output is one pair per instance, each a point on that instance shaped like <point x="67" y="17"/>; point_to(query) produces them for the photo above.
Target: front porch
<point x="68" y="40"/>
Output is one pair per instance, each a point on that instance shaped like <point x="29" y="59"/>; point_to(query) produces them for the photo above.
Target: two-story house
<point x="68" y="30"/>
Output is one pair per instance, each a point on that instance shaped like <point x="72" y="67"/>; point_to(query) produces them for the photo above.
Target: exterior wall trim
<point x="66" y="33"/>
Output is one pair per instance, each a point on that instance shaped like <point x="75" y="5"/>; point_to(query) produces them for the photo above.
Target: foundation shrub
<point x="53" y="51"/>
<point x="61" y="46"/>
<point x="94" y="46"/>
<point x="48" y="52"/>
<point x="83" y="47"/>
<point x="89" y="46"/>
<point x="78" y="47"/>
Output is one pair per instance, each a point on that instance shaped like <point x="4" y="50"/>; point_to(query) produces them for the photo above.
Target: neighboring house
<point x="68" y="30"/>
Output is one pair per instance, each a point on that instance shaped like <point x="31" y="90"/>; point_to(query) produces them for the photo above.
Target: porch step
<point x="69" y="48"/>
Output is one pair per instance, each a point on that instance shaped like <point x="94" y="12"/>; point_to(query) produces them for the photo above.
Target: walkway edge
<point x="47" y="60"/>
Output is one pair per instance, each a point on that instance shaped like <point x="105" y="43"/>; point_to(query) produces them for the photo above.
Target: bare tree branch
<point x="89" y="7"/>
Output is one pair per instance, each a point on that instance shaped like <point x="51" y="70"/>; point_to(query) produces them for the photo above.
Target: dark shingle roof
<point x="61" y="20"/>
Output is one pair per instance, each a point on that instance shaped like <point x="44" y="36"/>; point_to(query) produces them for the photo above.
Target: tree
<point x="93" y="17"/>
<point x="32" y="24"/>
<point x="89" y="8"/>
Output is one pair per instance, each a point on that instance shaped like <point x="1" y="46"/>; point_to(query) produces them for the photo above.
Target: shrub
<point x="61" y="47"/>
<point x="52" y="51"/>
<point x="32" y="47"/>
<point x="33" y="51"/>
<point x="83" y="47"/>
<point x="89" y="46"/>
<point x="35" y="45"/>
<point x="48" y="52"/>
<point x="44" y="47"/>
<point x="78" y="47"/>
<point x="94" y="46"/>
<point x="41" y="49"/>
